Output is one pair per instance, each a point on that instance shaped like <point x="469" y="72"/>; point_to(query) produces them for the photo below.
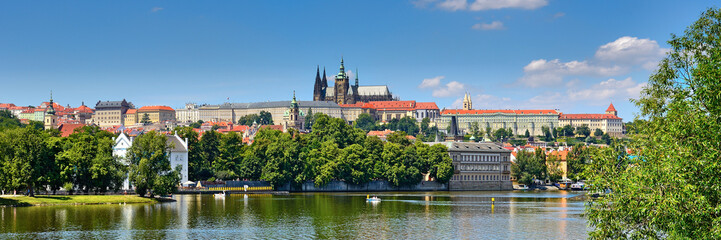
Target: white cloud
<point x="452" y="88"/>
<point x="611" y="59"/>
<point x="607" y="90"/>
<point x="543" y="72"/>
<point x="631" y="50"/>
<point x="495" y="25"/>
<point x="453" y="5"/>
<point x="431" y="82"/>
<point x="156" y="9"/>
<point x="482" y="5"/>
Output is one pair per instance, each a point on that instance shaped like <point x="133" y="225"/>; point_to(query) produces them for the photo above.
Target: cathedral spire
<point x="324" y="83"/>
<point x="342" y="68"/>
<point x="356" y="77"/>
<point x="50" y="109"/>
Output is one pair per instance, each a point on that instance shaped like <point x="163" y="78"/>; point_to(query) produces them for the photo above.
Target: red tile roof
<point x="155" y="108"/>
<point x="84" y="109"/>
<point x="7" y="105"/>
<point x="274" y="127"/>
<point x="131" y="111"/>
<point x="562" y="155"/>
<point x="587" y="116"/>
<point x="611" y="108"/>
<point x="69" y="128"/>
<point x="470" y="112"/>
<point x="427" y="105"/>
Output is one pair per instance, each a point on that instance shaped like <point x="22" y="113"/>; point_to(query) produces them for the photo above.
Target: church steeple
<point x="318" y="94"/>
<point x="342" y="68"/>
<point x="50" y="110"/>
<point x="356" y="77"/>
<point x="324" y="82"/>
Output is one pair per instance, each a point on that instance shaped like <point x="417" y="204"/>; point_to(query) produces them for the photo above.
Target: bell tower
<point x="467" y="104"/>
<point x="341" y="85"/>
<point x="50" y="120"/>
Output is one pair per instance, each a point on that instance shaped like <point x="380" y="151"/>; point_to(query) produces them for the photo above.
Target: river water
<point x="400" y="215"/>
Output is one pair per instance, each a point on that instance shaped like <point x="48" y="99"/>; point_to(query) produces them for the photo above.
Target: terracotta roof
<point x="427" y="105"/>
<point x="131" y="111"/>
<point x="588" y="116"/>
<point x="69" y="128"/>
<point x="525" y="111"/>
<point x="394" y="105"/>
<point x="155" y="108"/>
<point x="611" y="108"/>
<point x="274" y="127"/>
<point x="562" y="155"/>
<point x="379" y="133"/>
<point x="7" y="105"/>
<point x="360" y="104"/>
<point x="84" y="108"/>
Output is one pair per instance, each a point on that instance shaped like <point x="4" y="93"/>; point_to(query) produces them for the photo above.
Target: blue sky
<point x="575" y="56"/>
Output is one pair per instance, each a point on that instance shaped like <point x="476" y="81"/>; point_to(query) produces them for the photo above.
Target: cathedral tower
<point x="341" y="86"/>
<point x="318" y="91"/>
<point x="467" y="104"/>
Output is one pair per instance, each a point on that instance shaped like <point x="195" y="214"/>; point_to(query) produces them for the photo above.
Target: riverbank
<point x="47" y="200"/>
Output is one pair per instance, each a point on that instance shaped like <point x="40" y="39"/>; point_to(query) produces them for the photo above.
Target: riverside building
<point x="479" y="166"/>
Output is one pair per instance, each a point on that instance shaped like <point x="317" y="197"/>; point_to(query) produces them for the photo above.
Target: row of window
<point x="480" y="178"/>
<point x="479" y="167"/>
<point x="481" y="158"/>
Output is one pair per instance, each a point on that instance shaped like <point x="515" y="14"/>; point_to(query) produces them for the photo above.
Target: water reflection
<point x="513" y="215"/>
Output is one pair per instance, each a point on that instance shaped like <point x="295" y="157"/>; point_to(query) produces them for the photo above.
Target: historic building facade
<point x="608" y="123"/>
<point x="111" y="113"/>
<point x="344" y="93"/>
<point x="517" y="120"/>
<point x="293" y="117"/>
<point x="479" y="166"/>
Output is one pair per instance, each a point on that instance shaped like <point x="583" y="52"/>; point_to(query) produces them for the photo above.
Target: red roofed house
<point x="384" y="134"/>
<point x="387" y="110"/>
<point x="68" y="128"/>
<point x="157" y="114"/>
<point x="608" y="122"/>
<point x="519" y="121"/>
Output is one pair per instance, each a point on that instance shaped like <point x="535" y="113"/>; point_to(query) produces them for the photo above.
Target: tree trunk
<point x="31" y="192"/>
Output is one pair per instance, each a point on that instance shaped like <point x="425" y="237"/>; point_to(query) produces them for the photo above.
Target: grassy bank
<point x="41" y="200"/>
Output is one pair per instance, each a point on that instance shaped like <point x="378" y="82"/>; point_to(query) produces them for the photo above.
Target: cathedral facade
<point x="344" y="93"/>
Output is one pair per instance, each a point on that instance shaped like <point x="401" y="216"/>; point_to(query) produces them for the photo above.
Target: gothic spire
<point x="342" y="68"/>
<point x="356" y="77"/>
<point x="325" y="80"/>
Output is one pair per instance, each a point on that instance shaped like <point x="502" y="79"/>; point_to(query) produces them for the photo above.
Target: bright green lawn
<point x="73" y="199"/>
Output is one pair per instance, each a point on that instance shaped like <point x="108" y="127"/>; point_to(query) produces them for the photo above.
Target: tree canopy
<point x="668" y="186"/>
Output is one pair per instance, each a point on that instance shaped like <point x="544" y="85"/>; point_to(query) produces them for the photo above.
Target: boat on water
<point x="522" y="187"/>
<point x="564" y="184"/>
<point x="219" y="195"/>
<point x="372" y="199"/>
<point x="578" y="186"/>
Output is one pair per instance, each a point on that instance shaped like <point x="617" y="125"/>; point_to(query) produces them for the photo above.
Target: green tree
<point x="399" y="137"/>
<point x="197" y="124"/>
<point x="529" y="166"/>
<point x="598" y="132"/>
<point x="231" y="153"/>
<point x="8" y="120"/>
<point x="309" y="119"/>
<point x="568" y="131"/>
<point x="265" y="118"/>
<point x="150" y="170"/>
<point x="528" y="134"/>
<point x="670" y="188"/>
<point x="87" y="161"/>
<point x="583" y="130"/>
<point x="209" y="153"/>
<point x="365" y="121"/>
<point x="249" y="119"/>
<point x="145" y="119"/>
<point x="606" y="138"/>
<point x="27" y="158"/>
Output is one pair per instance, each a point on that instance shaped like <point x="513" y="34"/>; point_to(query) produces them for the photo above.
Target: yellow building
<point x="608" y="123"/>
<point x="157" y="114"/>
<point x="131" y="117"/>
<point x="517" y="120"/>
<point x="111" y="113"/>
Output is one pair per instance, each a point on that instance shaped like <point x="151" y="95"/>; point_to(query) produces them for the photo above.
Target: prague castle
<point x="344" y="93"/>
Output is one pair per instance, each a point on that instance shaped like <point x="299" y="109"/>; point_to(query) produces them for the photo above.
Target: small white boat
<point x="522" y="187"/>
<point x="219" y="195"/>
<point x="579" y="186"/>
<point x="373" y="199"/>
